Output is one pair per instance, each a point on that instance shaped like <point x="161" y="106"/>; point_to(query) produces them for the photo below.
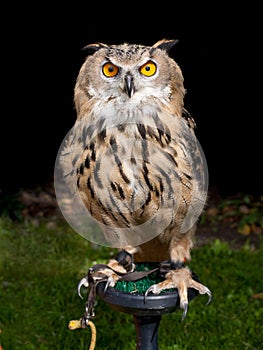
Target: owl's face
<point x="130" y="72"/>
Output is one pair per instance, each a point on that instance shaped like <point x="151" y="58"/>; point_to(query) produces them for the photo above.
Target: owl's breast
<point x="133" y="172"/>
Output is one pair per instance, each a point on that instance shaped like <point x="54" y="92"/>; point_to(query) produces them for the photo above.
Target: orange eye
<point x="148" y="69"/>
<point x="110" y="70"/>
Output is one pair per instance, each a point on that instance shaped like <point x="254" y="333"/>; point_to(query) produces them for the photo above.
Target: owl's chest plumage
<point x="134" y="165"/>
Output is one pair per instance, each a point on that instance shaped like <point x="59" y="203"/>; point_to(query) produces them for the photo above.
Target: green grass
<point x="40" y="268"/>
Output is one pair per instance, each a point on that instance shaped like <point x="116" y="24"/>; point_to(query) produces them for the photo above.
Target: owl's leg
<point x="180" y="276"/>
<point x="110" y="272"/>
<point x="123" y="262"/>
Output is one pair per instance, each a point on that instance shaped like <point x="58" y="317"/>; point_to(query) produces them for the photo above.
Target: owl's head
<point x="129" y="72"/>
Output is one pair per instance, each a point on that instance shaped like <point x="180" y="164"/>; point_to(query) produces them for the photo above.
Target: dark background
<point x="218" y="52"/>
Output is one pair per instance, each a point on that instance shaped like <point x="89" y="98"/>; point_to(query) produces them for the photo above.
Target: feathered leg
<point x="180" y="276"/>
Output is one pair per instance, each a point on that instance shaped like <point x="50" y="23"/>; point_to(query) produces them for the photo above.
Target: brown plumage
<point x="132" y="158"/>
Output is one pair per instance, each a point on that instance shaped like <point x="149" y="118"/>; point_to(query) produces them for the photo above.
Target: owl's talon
<point x="209" y="293"/>
<point x="184" y="306"/>
<point x="149" y="290"/>
<point x="205" y="290"/>
<point x="182" y="280"/>
<point x="83" y="282"/>
<point x="108" y="283"/>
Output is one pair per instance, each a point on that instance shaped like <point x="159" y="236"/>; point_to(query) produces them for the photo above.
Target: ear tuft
<point x="92" y="48"/>
<point x="165" y="44"/>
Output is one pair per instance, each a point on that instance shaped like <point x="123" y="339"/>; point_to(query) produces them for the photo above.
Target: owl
<point x="132" y="165"/>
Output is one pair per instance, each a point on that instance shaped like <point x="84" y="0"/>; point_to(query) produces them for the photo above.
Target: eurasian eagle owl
<point x="132" y="163"/>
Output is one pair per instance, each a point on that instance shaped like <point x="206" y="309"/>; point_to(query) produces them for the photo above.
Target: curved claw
<point x="150" y="289"/>
<point x="209" y="293"/>
<point x="107" y="285"/>
<point x="147" y="292"/>
<point x="83" y="282"/>
<point x="184" y="306"/>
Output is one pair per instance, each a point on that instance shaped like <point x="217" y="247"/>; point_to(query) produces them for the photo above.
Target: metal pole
<point x="147" y="332"/>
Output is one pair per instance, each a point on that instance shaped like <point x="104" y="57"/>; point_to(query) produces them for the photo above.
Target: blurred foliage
<point x="11" y="206"/>
<point x="242" y="212"/>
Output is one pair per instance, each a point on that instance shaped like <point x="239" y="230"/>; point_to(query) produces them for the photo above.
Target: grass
<point x="40" y="268"/>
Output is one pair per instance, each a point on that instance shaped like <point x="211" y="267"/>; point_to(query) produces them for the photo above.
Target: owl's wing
<point x="199" y="170"/>
<point x="65" y="183"/>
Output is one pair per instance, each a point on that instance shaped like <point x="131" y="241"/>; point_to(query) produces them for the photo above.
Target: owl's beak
<point x="129" y="86"/>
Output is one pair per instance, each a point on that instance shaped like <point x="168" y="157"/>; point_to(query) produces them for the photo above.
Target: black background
<point x="218" y="52"/>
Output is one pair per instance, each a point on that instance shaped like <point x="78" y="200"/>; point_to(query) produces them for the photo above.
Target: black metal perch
<point x="147" y="312"/>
